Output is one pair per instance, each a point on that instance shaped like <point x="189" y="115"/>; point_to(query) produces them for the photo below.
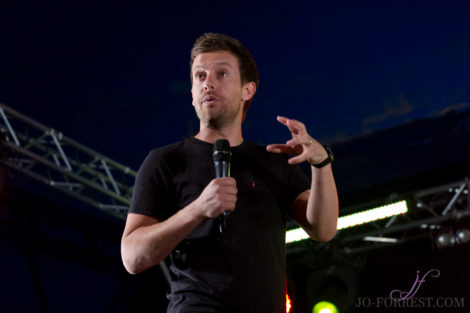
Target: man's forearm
<point x="147" y="241"/>
<point x="322" y="205"/>
<point x="148" y="245"/>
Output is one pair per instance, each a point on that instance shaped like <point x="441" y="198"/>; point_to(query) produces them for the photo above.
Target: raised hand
<point x="302" y="145"/>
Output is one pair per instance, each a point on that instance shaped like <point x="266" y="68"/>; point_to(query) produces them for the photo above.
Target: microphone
<point x="222" y="158"/>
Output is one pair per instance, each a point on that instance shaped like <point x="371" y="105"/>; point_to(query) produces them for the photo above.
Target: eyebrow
<point x="218" y="63"/>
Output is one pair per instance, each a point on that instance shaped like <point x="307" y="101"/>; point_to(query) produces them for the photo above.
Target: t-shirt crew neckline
<point x="211" y="145"/>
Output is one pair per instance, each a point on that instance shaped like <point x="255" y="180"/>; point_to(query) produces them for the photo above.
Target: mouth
<point x="209" y="100"/>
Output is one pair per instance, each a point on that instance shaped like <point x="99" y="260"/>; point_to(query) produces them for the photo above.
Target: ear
<point x="248" y="91"/>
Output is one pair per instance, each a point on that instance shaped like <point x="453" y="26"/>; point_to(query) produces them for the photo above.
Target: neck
<point x="232" y="134"/>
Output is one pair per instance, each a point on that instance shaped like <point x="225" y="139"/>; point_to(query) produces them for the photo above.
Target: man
<point x="176" y="200"/>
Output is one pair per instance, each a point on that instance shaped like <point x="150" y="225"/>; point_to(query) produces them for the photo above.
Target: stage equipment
<point x="54" y="159"/>
<point x="355" y="219"/>
<point x="324" y="307"/>
<point x="440" y="214"/>
<point x="462" y="235"/>
<point x="448" y="237"/>
<point x="288" y="303"/>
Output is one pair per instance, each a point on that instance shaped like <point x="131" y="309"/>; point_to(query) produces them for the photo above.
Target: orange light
<point x="288" y="303"/>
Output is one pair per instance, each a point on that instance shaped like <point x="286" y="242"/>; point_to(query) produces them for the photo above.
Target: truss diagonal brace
<point x="454" y="198"/>
<point x="59" y="147"/>
<point x="108" y="172"/>
<point x="10" y="129"/>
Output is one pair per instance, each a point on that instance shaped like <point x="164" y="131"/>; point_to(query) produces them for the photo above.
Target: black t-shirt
<point x="242" y="269"/>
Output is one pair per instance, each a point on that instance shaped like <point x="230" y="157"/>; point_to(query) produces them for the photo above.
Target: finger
<point x="282" y="119"/>
<point x="227" y="186"/>
<point x="228" y="198"/>
<point x="303" y="140"/>
<point x="277" y="148"/>
<point x="298" y="159"/>
<point x="231" y="191"/>
<point x="294" y="126"/>
<point x="225" y="181"/>
<point x="285" y="121"/>
<point x="228" y="202"/>
<point x="228" y="206"/>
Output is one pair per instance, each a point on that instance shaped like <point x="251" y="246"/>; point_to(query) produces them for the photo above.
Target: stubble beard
<point x="218" y="120"/>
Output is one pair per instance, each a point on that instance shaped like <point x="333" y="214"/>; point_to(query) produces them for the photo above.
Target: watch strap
<point x="328" y="159"/>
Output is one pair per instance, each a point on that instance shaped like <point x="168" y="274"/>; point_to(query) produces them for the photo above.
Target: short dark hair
<point x="211" y="42"/>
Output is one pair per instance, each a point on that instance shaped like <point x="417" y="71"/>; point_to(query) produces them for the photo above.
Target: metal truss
<point x="444" y="208"/>
<point x="429" y="211"/>
<point x="64" y="164"/>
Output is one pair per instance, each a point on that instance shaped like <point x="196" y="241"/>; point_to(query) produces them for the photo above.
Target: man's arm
<point x="146" y="241"/>
<point x="316" y="210"/>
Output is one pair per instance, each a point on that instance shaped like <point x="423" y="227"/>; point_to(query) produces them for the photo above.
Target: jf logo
<point x="403" y="295"/>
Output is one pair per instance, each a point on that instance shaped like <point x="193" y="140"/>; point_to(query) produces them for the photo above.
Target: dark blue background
<point x="115" y="77"/>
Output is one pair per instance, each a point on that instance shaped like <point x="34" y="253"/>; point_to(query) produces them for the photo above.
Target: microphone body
<point x="222" y="169"/>
<point x="222" y="156"/>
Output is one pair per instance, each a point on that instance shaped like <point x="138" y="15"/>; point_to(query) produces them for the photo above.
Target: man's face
<point x="217" y="90"/>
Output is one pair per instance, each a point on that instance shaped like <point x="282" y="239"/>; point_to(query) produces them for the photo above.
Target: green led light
<point x="295" y="235"/>
<point x="355" y="219"/>
<point x="324" y="307"/>
<point x="372" y="215"/>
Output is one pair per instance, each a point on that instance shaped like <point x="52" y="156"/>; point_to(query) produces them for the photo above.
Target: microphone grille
<point x="221" y="150"/>
<point x="222" y="145"/>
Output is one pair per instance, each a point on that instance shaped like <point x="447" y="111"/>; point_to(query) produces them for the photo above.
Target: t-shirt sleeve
<point x="151" y="194"/>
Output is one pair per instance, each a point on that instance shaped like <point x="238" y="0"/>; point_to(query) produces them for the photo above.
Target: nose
<point x="209" y="83"/>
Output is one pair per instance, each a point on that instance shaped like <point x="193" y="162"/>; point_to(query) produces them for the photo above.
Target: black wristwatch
<point x="328" y="159"/>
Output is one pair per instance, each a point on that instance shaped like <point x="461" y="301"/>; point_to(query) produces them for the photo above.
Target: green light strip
<point x="355" y="219"/>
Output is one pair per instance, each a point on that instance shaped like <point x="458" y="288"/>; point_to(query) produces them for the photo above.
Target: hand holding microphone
<point x="219" y="197"/>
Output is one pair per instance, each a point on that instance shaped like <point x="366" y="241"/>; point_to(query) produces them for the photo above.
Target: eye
<point x="223" y="73"/>
<point x="199" y="75"/>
